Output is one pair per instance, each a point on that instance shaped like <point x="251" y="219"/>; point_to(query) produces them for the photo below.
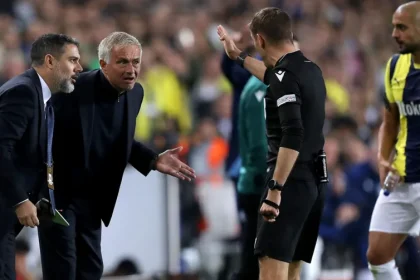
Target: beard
<point x="62" y="83"/>
<point x="409" y="48"/>
<point x="66" y="86"/>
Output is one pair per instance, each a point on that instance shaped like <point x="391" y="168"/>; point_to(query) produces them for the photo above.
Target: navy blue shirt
<point x="238" y="77"/>
<point x="108" y="125"/>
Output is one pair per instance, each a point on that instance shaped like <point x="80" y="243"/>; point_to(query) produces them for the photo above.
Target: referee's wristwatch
<point x="240" y="60"/>
<point x="274" y="186"/>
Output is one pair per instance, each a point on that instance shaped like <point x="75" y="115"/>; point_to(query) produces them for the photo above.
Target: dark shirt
<point x="295" y="107"/>
<point x="108" y="125"/>
<point x="109" y="121"/>
<point x="238" y="77"/>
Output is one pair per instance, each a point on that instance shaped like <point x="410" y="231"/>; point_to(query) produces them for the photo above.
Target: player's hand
<point x="229" y="45"/>
<point x="384" y="168"/>
<point x="267" y="211"/>
<point x="26" y="213"/>
<point x="168" y="163"/>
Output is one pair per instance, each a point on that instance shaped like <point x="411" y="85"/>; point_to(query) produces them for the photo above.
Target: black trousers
<point x="249" y="203"/>
<point x="73" y="252"/>
<point x="9" y="229"/>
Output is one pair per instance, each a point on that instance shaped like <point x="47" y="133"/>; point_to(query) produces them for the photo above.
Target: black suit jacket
<point x="22" y="139"/>
<point x="76" y="110"/>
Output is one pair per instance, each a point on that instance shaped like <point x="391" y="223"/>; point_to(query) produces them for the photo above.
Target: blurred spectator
<point x="126" y="267"/>
<point x="22" y="250"/>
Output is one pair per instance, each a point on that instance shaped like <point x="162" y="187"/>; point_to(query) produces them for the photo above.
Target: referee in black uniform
<point x="295" y="113"/>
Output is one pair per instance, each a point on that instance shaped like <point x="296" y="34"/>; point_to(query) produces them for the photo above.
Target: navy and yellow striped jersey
<point x="402" y="87"/>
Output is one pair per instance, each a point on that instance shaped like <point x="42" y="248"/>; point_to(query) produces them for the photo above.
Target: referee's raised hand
<point x="229" y="45"/>
<point x="270" y="207"/>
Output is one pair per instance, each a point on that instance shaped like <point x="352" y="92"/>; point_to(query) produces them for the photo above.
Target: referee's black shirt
<point x="295" y="107"/>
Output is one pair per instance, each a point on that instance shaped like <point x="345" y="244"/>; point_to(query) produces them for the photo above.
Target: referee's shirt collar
<point x="287" y="54"/>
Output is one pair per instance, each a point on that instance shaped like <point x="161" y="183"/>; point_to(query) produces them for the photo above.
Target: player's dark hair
<point x="273" y="23"/>
<point x="52" y="44"/>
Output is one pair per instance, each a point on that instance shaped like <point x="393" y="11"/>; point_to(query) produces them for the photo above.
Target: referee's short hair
<point x="52" y="44"/>
<point x="274" y="24"/>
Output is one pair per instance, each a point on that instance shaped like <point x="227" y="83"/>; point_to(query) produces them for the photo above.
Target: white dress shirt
<point x="46" y="92"/>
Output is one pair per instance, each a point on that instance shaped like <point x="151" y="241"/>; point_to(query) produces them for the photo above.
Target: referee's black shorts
<point x="292" y="237"/>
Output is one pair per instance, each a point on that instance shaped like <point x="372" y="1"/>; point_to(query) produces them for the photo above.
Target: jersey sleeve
<point x="285" y="90"/>
<point x="388" y="96"/>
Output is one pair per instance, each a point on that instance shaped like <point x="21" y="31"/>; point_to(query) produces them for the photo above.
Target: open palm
<point x="168" y="163"/>
<point x="229" y="45"/>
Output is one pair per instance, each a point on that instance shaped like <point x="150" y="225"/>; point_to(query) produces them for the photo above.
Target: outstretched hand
<point x="168" y="163"/>
<point x="229" y="45"/>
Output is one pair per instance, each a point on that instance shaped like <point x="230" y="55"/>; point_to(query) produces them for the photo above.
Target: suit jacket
<point x="76" y="110"/>
<point x="22" y="139"/>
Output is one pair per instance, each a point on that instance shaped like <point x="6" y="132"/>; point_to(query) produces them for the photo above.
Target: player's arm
<point x="388" y="130"/>
<point x="286" y="90"/>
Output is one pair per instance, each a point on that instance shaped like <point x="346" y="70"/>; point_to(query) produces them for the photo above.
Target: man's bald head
<point x="412" y="10"/>
<point x="406" y="21"/>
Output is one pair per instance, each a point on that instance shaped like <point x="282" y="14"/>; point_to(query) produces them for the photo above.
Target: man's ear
<point x="261" y="41"/>
<point x="49" y="61"/>
<point x="103" y="64"/>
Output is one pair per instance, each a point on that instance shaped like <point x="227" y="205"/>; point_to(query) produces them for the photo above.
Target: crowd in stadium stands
<point x="188" y="99"/>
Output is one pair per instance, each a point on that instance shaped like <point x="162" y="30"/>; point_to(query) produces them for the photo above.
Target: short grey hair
<point x="116" y="39"/>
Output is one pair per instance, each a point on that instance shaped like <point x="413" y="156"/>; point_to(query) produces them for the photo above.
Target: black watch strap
<point x="278" y="187"/>
<point x="275" y="186"/>
<point x="272" y="204"/>
<point x="240" y="60"/>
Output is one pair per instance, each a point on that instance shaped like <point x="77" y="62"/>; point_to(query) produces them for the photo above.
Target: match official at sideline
<point x="295" y="113"/>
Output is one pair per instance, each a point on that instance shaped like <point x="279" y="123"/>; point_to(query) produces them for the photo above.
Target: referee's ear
<point x="260" y="41"/>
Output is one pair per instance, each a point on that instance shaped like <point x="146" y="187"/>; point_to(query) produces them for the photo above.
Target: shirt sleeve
<point x="285" y="90"/>
<point x="16" y="112"/>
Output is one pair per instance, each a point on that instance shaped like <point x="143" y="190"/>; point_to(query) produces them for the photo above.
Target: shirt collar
<point x="46" y="92"/>
<point x="107" y="89"/>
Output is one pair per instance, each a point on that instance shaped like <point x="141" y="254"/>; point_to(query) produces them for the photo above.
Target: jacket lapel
<point x="42" y="141"/>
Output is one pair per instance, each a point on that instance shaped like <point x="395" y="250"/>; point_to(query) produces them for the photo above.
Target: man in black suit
<point x="23" y="138"/>
<point x="93" y="143"/>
